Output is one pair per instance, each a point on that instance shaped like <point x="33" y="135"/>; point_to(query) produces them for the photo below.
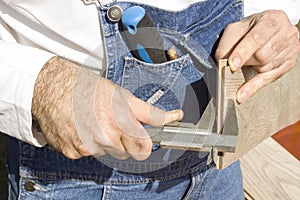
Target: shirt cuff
<point x="20" y="66"/>
<point x="291" y="7"/>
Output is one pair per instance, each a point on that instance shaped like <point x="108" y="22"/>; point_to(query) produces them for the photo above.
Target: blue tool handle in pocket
<point x="141" y="36"/>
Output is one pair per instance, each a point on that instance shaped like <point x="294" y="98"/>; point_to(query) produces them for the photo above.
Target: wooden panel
<point x="272" y="108"/>
<point x="271" y="172"/>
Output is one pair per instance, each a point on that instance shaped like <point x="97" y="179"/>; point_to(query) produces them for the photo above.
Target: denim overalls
<point x="167" y="174"/>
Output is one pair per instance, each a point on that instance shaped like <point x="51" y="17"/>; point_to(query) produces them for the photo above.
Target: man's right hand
<point x="82" y="114"/>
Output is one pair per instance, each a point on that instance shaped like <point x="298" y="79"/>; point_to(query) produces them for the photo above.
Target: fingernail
<point x="241" y="96"/>
<point x="236" y="62"/>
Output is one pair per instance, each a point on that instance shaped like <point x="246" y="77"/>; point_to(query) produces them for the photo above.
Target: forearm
<point x="56" y="80"/>
<point x="53" y="92"/>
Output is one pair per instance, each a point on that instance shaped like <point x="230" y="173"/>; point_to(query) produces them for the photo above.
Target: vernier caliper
<point x="216" y="132"/>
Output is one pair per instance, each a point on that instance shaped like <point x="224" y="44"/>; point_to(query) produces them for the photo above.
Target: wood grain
<point x="272" y="108"/>
<point x="271" y="172"/>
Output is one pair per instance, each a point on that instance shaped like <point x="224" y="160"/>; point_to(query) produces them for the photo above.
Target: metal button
<point x="29" y="186"/>
<point x="114" y="13"/>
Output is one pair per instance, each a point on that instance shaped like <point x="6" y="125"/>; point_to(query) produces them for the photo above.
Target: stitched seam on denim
<point x="101" y="179"/>
<point x="173" y="67"/>
<point x="170" y="81"/>
<point x="206" y="26"/>
<point x="106" y="191"/>
<point x="191" y="188"/>
<point x="128" y="3"/>
<point x="176" y="65"/>
<point x="20" y="188"/>
<point x="207" y="18"/>
<point x="193" y="170"/>
<point x="35" y="174"/>
<point x="131" y="62"/>
<point x="202" y="189"/>
<point x="151" y="180"/>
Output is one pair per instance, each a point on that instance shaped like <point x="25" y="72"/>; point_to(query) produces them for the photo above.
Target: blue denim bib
<point x="194" y="32"/>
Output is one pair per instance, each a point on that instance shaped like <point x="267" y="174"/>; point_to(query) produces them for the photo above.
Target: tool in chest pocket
<point x="141" y="36"/>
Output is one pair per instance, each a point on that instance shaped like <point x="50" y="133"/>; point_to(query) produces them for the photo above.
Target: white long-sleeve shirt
<point x="33" y="31"/>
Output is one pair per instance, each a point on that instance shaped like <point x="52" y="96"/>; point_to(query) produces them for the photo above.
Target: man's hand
<point x="82" y="114"/>
<point x="267" y="41"/>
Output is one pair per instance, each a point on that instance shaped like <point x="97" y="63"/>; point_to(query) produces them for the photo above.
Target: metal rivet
<point x="114" y="13"/>
<point x="29" y="186"/>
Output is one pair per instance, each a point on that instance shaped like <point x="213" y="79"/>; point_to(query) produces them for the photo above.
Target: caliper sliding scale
<point x="216" y="132"/>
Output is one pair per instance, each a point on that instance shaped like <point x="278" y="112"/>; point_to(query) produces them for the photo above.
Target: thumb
<point x="151" y="115"/>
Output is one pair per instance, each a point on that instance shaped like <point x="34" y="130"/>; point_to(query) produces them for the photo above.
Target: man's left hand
<point x="267" y="41"/>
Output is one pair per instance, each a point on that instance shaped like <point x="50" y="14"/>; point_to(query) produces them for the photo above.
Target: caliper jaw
<point x="216" y="132"/>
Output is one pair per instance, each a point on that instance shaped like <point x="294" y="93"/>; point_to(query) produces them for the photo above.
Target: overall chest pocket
<point x="167" y="85"/>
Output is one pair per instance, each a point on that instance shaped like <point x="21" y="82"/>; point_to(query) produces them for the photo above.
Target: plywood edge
<point x="271" y="109"/>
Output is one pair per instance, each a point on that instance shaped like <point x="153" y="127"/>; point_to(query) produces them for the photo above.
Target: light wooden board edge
<point x="272" y="108"/>
<point x="271" y="172"/>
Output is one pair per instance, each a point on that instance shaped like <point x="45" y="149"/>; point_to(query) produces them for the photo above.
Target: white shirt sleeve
<point x="28" y="33"/>
<point x="290" y="7"/>
<point x="19" y="67"/>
